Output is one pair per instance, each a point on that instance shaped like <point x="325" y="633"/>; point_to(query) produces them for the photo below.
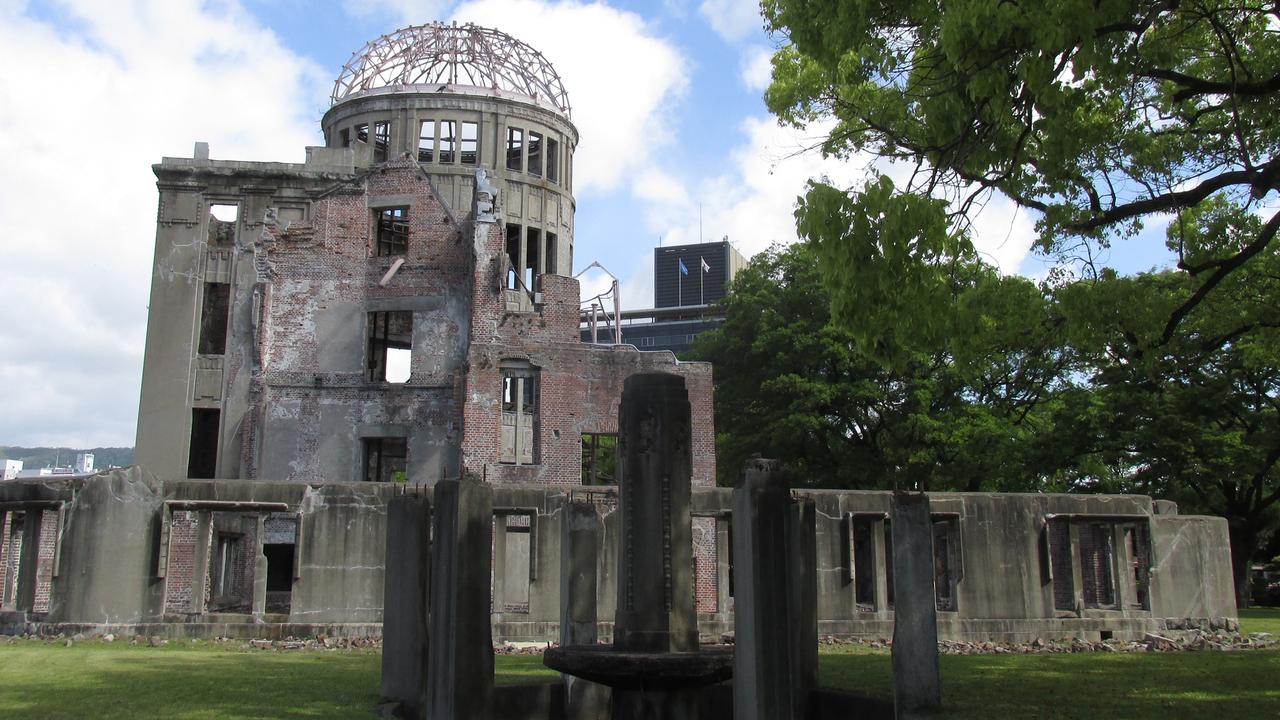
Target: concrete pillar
<point x="775" y="612"/>
<point x="28" y="561"/>
<point x="460" y="657"/>
<point x="916" y="685"/>
<point x="405" y="638"/>
<point x="259" y="569"/>
<point x="655" y="564"/>
<point x="581" y="535"/>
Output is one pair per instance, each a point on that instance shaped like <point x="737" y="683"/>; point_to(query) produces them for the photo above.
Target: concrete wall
<point x="112" y="530"/>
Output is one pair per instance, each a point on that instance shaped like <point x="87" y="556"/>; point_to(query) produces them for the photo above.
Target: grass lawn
<point x="1257" y="620"/>
<point x="204" y="681"/>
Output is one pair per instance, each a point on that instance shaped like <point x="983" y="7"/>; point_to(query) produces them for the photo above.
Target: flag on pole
<point x="705" y="266"/>
<point x="683" y="270"/>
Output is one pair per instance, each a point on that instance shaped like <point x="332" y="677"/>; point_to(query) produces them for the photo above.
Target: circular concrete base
<point x="636" y="670"/>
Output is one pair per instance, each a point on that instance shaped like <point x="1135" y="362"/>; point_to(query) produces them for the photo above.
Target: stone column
<point x="460" y="657"/>
<point x="916" y="687"/>
<point x="29" y="560"/>
<point x="581" y="535"/>
<point x="775" y="612"/>
<point x="405" y="639"/>
<point x="655" y="565"/>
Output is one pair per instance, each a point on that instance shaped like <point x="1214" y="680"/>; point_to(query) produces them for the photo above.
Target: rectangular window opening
<point x="515" y="149"/>
<point x="470" y="144"/>
<point x="393" y="231"/>
<point x="533" y="254"/>
<point x="344" y="137"/>
<point x="202" y="458"/>
<point x="552" y="267"/>
<point x="535" y="154"/>
<point x="519" y="417"/>
<point x="381" y="141"/>
<point x="427" y="141"/>
<point x="213" y="319"/>
<point x="362" y="132"/>
<point x="864" y="563"/>
<point x="1139" y="546"/>
<point x="513" y="256"/>
<point x="1060" y="564"/>
<point x="512" y="563"/>
<point x="945" y="563"/>
<point x="1097" y="559"/>
<point x="599" y="458"/>
<point x="386" y="459"/>
<point x="390" y="346"/>
<point x="448" y="136"/>
<point x="553" y="160"/>
<point x="222" y="225"/>
<point x="279" y="576"/>
<point x="888" y="560"/>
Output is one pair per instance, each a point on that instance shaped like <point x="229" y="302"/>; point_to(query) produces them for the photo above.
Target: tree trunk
<point x="1244" y="542"/>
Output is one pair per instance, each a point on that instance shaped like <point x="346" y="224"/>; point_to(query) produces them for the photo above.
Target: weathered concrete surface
<point x="916" y="677"/>
<point x="460" y="664"/>
<point x="406" y="639"/>
<point x="776" y="637"/>
<point x="655" y="591"/>
<point x="1191" y="577"/>
<point x="579" y="563"/>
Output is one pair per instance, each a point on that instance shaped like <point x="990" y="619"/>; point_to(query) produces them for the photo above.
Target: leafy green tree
<point x="1098" y="115"/>
<point x="790" y="384"/>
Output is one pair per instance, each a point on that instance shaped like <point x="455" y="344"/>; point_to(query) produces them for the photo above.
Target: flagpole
<point x="702" y="300"/>
<point x="679" y="284"/>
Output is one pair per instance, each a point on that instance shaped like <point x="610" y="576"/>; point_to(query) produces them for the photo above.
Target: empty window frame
<point x="381" y="141"/>
<point x="386" y="459"/>
<point x="469" y="144"/>
<point x="513" y="256"/>
<point x="427" y="141"/>
<point x="599" y="458"/>
<point x="344" y="137"/>
<point x="202" y="456"/>
<point x="533" y="257"/>
<point x="535" y="154"/>
<point x="515" y="149"/>
<point x="448" y="140"/>
<point x="553" y="160"/>
<point x="513" y="556"/>
<point x="390" y="346"/>
<point x="1138" y="544"/>
<point x="946" y="562"/>
<point x="1097" y="564"/>
<point x="1060" y="564"/>
<point x="362" y="132"/>
<point x="222" y="225"/>
<point x="550" y="266"/>
<point x="392" y="237"/>
<point x="863" y="561"/>
<point x="518" y="442"/>
<point x="213" y="319"/>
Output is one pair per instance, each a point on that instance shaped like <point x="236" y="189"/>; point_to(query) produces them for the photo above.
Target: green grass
<point x="1262" y="619"/>
<point x="1167" y="686"/>
<point x="204" y="681"/>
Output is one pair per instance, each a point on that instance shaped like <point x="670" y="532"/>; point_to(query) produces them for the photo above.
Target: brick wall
<point x="44" y="560"/>
<point x="181" y="568"/>
<point x="326" y="264"/>
<point x="6" y="545"/>
<point x="706" y="588"/>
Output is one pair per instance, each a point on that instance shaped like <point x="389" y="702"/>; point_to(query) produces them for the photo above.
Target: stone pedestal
<point x="916" y="685"/>
<point x="775" y="611"/>
<point x="405" y="639"/>
<point x="460" y="664"/>
<point x="579" y="563"/>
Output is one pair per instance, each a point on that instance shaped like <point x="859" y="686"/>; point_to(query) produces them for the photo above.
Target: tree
<point x="1097" y="115"/>
<point x="792" y="385"/>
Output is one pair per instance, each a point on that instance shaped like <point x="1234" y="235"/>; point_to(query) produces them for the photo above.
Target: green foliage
<point x="1097" y="115"/>
<point x="793" y="385"/>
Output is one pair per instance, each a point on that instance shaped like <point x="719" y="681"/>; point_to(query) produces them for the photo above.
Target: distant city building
<point x="12" y="468"/>
<point x="84" y="464"/>
<point x="688" y="281"/>
<point x="700" y="274"/>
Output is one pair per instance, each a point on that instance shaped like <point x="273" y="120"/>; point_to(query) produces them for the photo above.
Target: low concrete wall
<point x="1000" y="572"/>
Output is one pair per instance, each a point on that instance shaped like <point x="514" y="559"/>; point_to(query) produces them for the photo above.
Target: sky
<point x="676" y="147"/>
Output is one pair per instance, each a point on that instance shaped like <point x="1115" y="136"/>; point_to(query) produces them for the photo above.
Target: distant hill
<point x="38" y="457"/>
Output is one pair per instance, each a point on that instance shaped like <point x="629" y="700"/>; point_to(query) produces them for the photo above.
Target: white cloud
<point x="732" y="20"/>
<point x="757" y="68"/>
<point x="624" y="81"/>
<point x="78" y="198"/>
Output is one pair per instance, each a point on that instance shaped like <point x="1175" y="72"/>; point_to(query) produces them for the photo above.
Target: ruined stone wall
<point x="317" y="401"/>
<point x="44" y="560"/>
<point x="581" y="384"/>
<point x="10" y="547"/>
<point x="182" y="556"/>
